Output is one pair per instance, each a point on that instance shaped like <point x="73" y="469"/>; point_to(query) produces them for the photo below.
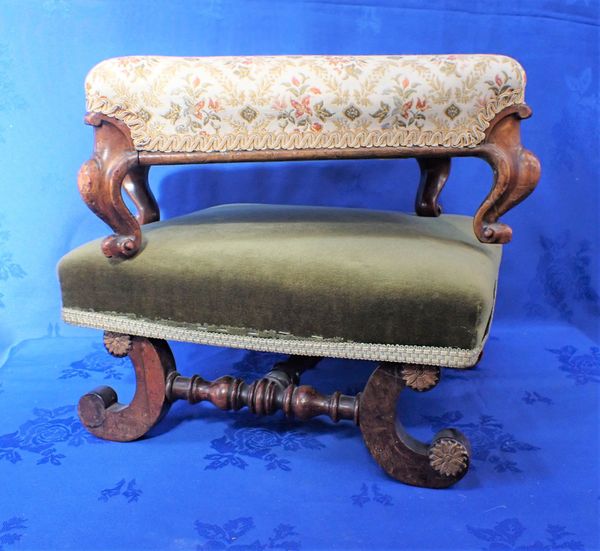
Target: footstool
<point x="412" y="292"/>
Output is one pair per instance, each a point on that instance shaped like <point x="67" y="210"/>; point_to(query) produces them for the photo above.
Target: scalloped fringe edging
<point x="326" y="140"/>
<point x="288" y="344"/>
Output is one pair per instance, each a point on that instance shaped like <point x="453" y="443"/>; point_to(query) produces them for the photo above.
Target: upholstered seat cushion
<point x="307" y="280"/>
<point x="175" y="104"/>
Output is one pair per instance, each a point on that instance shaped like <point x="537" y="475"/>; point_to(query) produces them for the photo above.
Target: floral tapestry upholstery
<point x="181" y="104"/>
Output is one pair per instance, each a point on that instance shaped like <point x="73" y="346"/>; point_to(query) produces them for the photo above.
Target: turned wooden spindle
<point x="278" y="390"/>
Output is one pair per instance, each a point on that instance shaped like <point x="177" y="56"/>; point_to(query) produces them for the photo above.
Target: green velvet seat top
<point x="335" y="282"/>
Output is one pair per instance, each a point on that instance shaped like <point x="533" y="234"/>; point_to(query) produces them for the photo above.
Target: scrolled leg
<point x="438" y="465"/>
<point x="136" y="186"/>
<point x="102" y="414"/>
<point x="101" y="179"/>
<point x="434" y="173"/>
<point x="516" y="174"/>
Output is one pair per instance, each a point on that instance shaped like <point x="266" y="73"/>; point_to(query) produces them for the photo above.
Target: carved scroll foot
<point x="516" y="174"/>
<point x="115" y="166"/>
<point x="439" y="465"/>
<point x="102" y="414"/>
<point x="434" y="173"/>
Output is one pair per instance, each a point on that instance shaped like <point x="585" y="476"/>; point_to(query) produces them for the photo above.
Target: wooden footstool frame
<point x="116" y="165"/>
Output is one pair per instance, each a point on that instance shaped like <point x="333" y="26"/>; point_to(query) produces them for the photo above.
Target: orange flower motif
<point x="196" y="81"/>
<point x="405" y="108"/>
<point x="498" y="80"/>
<point x="405" y="83"/>
<point x="279" y="105"/>
<point x="317" y="127"/>
<point x="315" y="90"/>
<point x="295" y="81"/>
<point x="214" y="105"/>
<point x="303" y="107"/>
<point x="198" y="109"/>
<point x="421" y="104"/>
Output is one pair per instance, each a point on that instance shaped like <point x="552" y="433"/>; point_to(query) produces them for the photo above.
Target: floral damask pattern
<point x="98" y="362"/>
<point x="11" y="99"/>
<point x="262" y="444"/>
<point x="371" y="495"/>
<point x="226" y="536"/>
<point x="255" y="365"/>
<point x="8" y="267"/>
<point x="563" y="279"/>
<point x="11" y="531"/>
<point x="533" y="397"/>
<point x="299" y="102"/>
<point x="582" y="368"/>
<point x="128" y="490"/>
<point x="507" y="534"/>
<point x="42" y="435"/>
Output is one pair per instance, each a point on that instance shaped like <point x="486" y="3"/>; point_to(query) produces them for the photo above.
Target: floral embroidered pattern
<point x="373" y="494"/>
<point x="507" y="535"/>
<point x="11" y="531"/>
<point x="299" y="102"/>
<point x="582" y="368"/>
<point x="489" y="442"/>
<point x="42" y="435"/>
<point x="226" y="536"/>
<point x="98" y="362"/>
<point x="258" y="443"/>
<point x="122" y="488"/>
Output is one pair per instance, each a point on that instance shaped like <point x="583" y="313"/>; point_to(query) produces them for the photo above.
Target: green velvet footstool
<point x="412" y="292"/>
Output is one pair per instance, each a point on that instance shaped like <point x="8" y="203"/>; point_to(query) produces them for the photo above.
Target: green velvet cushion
<point x="313" y="272"/>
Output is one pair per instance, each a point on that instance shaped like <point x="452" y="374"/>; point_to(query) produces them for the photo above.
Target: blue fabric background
<point x="210" y="480"/>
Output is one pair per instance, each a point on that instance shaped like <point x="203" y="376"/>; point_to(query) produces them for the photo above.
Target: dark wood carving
<point x="117" y="344"/>
<point x="136" y="186"/>
<point x="516" y="174"/>
<point x="278" y="390"/>
<point x="434" y="173"/>
<point x="102" y="414"/>
<point x="116" y="165"/>
<point x="439" y="465"/>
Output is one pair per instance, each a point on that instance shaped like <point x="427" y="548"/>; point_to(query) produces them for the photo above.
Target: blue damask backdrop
<point x="210" y="480"/>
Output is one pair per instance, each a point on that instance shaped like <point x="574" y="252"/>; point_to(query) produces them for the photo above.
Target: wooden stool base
<point x="438" y="465"/>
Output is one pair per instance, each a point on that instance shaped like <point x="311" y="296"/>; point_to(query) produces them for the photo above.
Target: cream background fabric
<point x="176" y="104"/>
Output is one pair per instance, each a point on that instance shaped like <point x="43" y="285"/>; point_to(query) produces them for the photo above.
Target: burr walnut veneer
<point x="413" y="292"/>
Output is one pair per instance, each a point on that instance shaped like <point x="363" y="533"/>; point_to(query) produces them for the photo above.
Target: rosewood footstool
<point x="412" y="292"/>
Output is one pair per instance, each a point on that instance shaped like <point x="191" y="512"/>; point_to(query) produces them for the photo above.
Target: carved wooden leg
<point x="105" y="417"/>
<point x="100" y="181"/>
<point x="136" y="186"/>
<point x="434" y="173"/>
<point x="516" y="174"/>
<point x="439" y="465"/>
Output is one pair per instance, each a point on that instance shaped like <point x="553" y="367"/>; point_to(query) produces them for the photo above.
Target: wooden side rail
<point x="116" y="165"/>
